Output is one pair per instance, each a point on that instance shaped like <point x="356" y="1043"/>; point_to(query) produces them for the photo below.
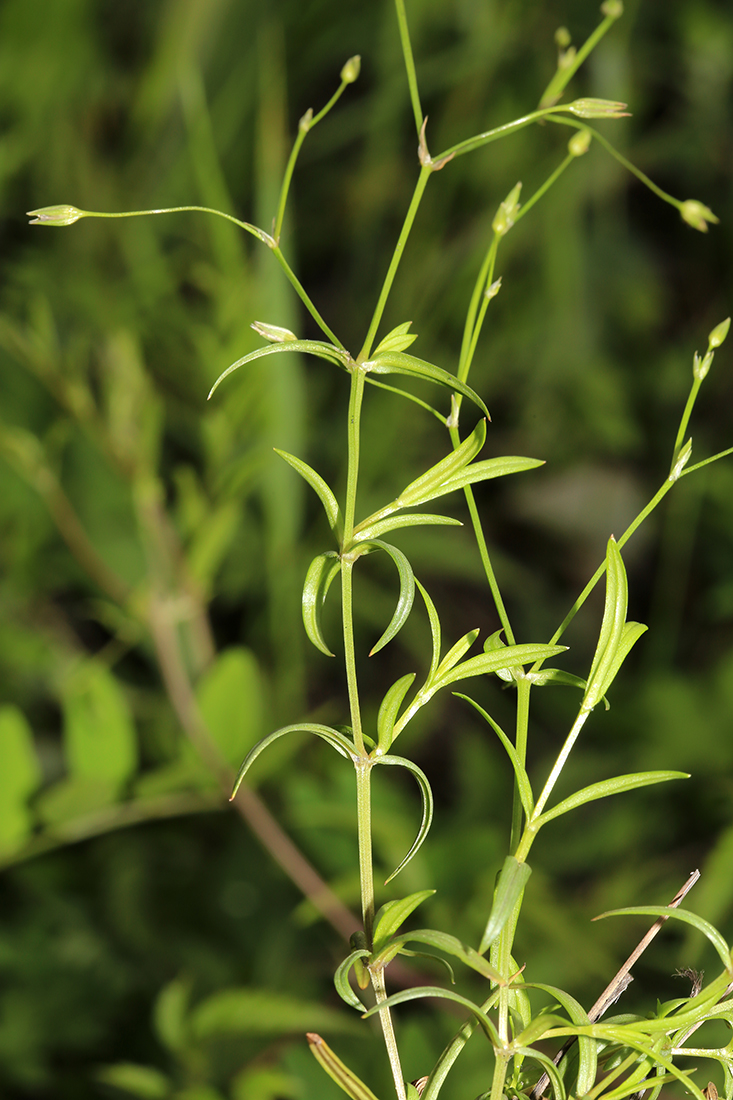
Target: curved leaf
<point x="399" y="363"/>
<point x="335" y="739"/>
<point x="427" y="805"/>
<point x="407" y="592"/>
<point x="588" y="1050"/>
<point x="388" y="710"/>
<point x="512" y="880"/>
<point x="455" y="653"/>
<point x="421" y="489"/>
<point x="410" y="519"/>
<point x="684" y="915"/>
<point x="341" y="979"/>
<point x="504" y="658"/>
<point x="313" y="347"/>
<point x="393" y="915"/>
<point x="605" y="789"/>
<point x="321" y="487"/>
<point x="446" y="994"/>
<point x="318" y="579"/>
<point x="450" y="945"/>
<point x="434" y="628"/>
<point x="523" y="784"/>
<point x="399" y="339"/>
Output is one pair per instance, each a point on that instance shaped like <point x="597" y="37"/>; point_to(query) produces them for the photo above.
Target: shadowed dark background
<point x="141" y="922"/>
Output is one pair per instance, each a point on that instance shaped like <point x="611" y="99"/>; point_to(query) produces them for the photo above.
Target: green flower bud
<point x="580" y="143"/>
<point x="351" y="69"/>
<point x="507" y="212"/>
<point x="697" y="215"/>
<point x="700" y="367"/>
<point x="719" y="333"/>
<point x="683" y="457"/>
<point x="305" y="122"/>
<point x="493" y="290"/>
<point x="274" y="333"/>
<point x="612" y="9"/>
<point x="566" y="60"/>
<point x="56" y="215"/>
<point x="562" y="38"/>
<point x="598" y="108"/>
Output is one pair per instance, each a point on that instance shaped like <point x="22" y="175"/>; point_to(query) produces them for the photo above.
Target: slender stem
<point x="347" y="612"/>
<point x="390" y="1040"/>
<point x="500" y="1068"/>
<point x="685" y="419"/>
<point x="422" y="180"/>
<point x="300" y="291"/>
<point x="356" y="397"/>
<point x="478" y="140"/>
<point x="468" y="343"/>
<point x="707" y="461"/>
<point x="523" y="690"/>
<point x="563" y="76"/>
<point x="409" y="63"/>
<point x="485" y="556"/>
<point x="552" y="178"/>
<point x="559" y="764"/>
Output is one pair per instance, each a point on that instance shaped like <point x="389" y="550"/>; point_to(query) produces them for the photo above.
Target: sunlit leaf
<point x="512" y="880"/>
<point x="393" y="915"/>
<point x="321" y="487"/>
<point x="335" y="739"/>
<point x="407" y="519"/>
<point x="399" y="363"/>
<point x="341" y="978"/>
<point x="399" y="339"/>
<point x="588" y="1050"/>
<point x="318" y="580"/>
<point x="607" y="787"/>
<point x="445" y="994"/>
<point x="313" y="347"/>
<point x="520" y="772"/>
<point x="407" y="592"/>
<point x="389" y="709"/>
<point x="683" y="915"/>
<point x="434" y="628"/>
<point x="427" y="805"/>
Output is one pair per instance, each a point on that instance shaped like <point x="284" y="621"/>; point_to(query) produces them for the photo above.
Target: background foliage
<point x="144" y="531"/>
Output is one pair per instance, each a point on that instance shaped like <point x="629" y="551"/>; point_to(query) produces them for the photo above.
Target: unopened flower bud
<point x="719" y="333"/>
<point x="580" y="143"/>
<point x="493" y="290"/>
<point x="697" y="215"/>
<point x="305" y="122"/>
<point x="274" y="333"/>
<point x="598" y="108"/>
<point x="612" y="9"/>
<point x="683" y="457"/>
<point x="566" y="60"/>
<point x="351" y="69"/>
<point x="507" y="212"/>
<point x="55" y="215"/>
<point x="562" y="38"/>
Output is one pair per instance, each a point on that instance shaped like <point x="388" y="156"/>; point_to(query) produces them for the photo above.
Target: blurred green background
<point x="152" y="547"/>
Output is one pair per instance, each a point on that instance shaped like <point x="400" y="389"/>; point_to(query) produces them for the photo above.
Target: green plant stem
<point x="356" y="397"/>
<point x="470" y="335"/>
<point x="300" y="291"/>
<point x="422" y="180"/>
<point x="390" y="1040"/>
<point x="497" y="1083"/>
<point x="552" y="178"/>
<point x="347" y="612"/>
<point x="523" y="690"/>
<point x="563" y="76"/>
<point x="409" y="63"/>
<point x="685" y="419"/>
<point x="479" y="140"/>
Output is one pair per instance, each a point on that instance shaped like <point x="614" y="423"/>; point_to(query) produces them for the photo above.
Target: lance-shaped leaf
<point x="388" y="710"/>
<point x="683" y="915"/>
<point x="399" y="339"/>
<point x="341" y="978"/>
<point x="607" y="787"/>
<point x="487" y="469"/>
<point x="427" y="805"/>
<point x="394" y="523"/>
<point x="337" y="1070"/>
<point x="616" y="636"/>
<point x="434" y="628"/>
<point x="399" y="363"/>
<point x="335" y="739"/>
<point x="312" y="347"/>
<point x="393" y="915"/>
<point x="316" y="482"/>
<point x="455" y="652"/>
<point x="407" y="592"/>
<point x="512" y="880"/>
<point x="449" y="945"/>
<point x="523" y="784"/>
<point x="447" y="995"/>
<point x="318" y="579"/>
<point x="588" y="1050"/>
<point x="507" y="657"/>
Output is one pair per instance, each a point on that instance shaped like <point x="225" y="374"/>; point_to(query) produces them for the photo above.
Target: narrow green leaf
<point x="549" y="1066"/>
<point x="434" y="628"/>
<point x="419" y="490"/>
<point x="447" y="995"/>
<point x="455" y="653"/>
<point x="409" y="519"/>
<point x="399" y="339"/>
<point x="556" y="676"/>
<point x="20" y="776"/>
<point x="337" y="1070"/>
<point x="407" y="592"/>
<point x="318" y="580"/>
<point x="427" y="805"/>
<point x="614" y="617"/>
<point x="335" y="739"/>
<point x="316" y="482"/>
<point x="388" y="710"/>
<point x="393" y="915"/>
<point x="605" y="789"/>
<point x="683" y="915"/>
<point x="512" y="880"/>
<point x="504" y="658"/>
<point x="313" y="347"/>
<point x="588" y="1049"/>
<point x="450" y="945"/>
<point x="488" y="469"/>
<point x="523" y="783"/>
<point x="399" y="363"/>
<point x="629" y="637"/>
<point x="341" y="979"/>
